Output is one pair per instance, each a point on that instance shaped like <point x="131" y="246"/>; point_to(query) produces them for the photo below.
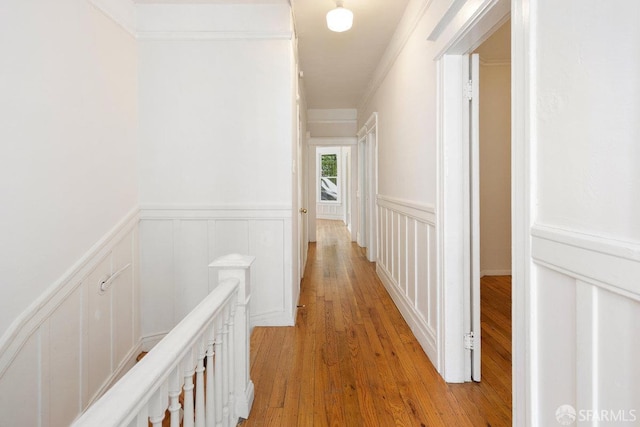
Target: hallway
<point x="351" y="359"/>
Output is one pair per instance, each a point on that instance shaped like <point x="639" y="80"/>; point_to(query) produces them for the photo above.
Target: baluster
<point x="188" y="391"/>
<point x="175" y="384"/>
<point x="232" y="363"/>
<point x="225" y="371"/>
<point x="219" y="362"/>
<point x="157" y="406"/>
<point x="200" y="386"/>
<point x="210" y="412"/>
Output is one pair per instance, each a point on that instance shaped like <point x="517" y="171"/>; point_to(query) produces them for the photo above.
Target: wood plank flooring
<point x="351" y="359"/>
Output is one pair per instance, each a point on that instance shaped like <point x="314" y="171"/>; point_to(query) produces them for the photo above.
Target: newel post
<point x="239" y="267"/>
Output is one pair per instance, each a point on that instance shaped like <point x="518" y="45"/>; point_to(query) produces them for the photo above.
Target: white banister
<point x="211" y="342"/>
<point x="238" y="267"/>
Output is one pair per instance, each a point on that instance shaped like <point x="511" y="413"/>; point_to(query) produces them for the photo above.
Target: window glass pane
<point x="328" y="189"/>
<point x="329" y="165"/>
<point x="329" y="177"/>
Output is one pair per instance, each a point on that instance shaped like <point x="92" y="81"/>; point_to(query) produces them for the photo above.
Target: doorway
<point x="367" y="236"/>
<point x="454" y="189"/>
<point x="490" y="197"/>
<point x="332" y="170"/>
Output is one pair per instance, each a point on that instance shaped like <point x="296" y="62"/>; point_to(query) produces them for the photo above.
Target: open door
<point x="473" y="92"/>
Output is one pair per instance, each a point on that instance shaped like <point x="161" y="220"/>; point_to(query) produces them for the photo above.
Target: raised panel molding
<point x="599" y="261"/>
<point x="407" y="266"/>
<point x="75" y="366"/>
<point x="180" y="242"/>
<point x="422" y="212"/>
<point x="332" y="211"/>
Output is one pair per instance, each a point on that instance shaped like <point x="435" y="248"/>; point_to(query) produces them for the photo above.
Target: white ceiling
<point x="338" y="66"/>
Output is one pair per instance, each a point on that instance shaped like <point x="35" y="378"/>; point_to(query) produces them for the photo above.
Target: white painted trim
<point x="603" y="262"/>
<point x="369" y="125"/>
<point x="425" y="335"/>
<point x="330" y="121"/>
<point x="495" y="273"/>
<point x="215" y="35"/>
<point x="333" y="141"/>
<point x="215" y="212"/>
<point x="26" y="324"/>
<point x="412" y="16"/>
<point x="276" y="318"/>
<point x="472" y="23"/>
<point x="127" y="363"/>
<point x="450" y="221"/>
<point x="122" y="12"/>
<point x="523" y="109"/>
<point x="176" y="214"/>
<point x="150" y="341"/>
<point x="447" y="14"/>
<point x="422" y="212"/>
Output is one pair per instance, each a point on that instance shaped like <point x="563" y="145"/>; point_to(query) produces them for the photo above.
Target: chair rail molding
<point x="407" y="265"/>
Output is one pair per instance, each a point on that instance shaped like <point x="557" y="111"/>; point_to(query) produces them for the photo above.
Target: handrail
<point x="153" y="384"/>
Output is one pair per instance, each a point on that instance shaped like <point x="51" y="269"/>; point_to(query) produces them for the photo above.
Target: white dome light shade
<point x="339" y="19"/>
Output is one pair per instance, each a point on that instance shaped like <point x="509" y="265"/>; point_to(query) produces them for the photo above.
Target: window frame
<point x="328" y="152"/>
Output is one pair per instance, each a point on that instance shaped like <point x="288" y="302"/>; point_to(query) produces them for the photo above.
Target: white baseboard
<point x="28" y="322"/>
<point x="495" y="273"/>
<point x="244" y="404"/>
<point x="425" y="335"/>
<point x="272" y="319"/>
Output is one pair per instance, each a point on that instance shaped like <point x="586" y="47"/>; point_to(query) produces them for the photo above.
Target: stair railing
<point x="211" y="344"/>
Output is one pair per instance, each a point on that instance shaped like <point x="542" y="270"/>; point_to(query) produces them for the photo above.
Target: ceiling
<point x="338" y="66"/>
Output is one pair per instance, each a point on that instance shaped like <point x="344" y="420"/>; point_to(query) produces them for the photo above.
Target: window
<point x="329" y="190"/>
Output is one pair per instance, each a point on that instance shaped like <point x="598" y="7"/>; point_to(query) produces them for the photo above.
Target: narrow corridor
<point x="351" y="359"/>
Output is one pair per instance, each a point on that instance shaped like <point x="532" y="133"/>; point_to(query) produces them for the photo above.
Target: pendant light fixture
<point x="339" y="19"/>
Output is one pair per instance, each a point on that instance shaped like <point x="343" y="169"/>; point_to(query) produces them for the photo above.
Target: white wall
<point x="585" y="290"/>
<point x="403" y="92"/>
<point x="68" y="168"/>
<point x="68" y="190"/>
<point x="217" y="98"/>
<point x="495" y="168"/>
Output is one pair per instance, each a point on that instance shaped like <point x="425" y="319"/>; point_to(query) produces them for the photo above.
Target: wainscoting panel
<point x="407" y="266"/>
<point x="179" y="244"/>
<point x="333" y="211"/>
<point x="587" y="293"/>
<point x="75" y="340"/>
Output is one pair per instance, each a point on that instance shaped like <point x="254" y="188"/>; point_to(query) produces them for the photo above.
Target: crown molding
<point x="122" y="12"/>
<point x="330" y="141"/>
<point x="405" y="29"/>
<point x="214" y="35"/>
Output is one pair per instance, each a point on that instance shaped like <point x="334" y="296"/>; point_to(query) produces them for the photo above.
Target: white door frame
<point x="368" y="187"/>
<point x="454" y="174"/>
<point x="313" y="144"/>
<point x="456" y="38"/>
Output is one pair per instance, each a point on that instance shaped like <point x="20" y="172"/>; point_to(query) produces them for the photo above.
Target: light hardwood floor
<point x="351" y="360"/>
